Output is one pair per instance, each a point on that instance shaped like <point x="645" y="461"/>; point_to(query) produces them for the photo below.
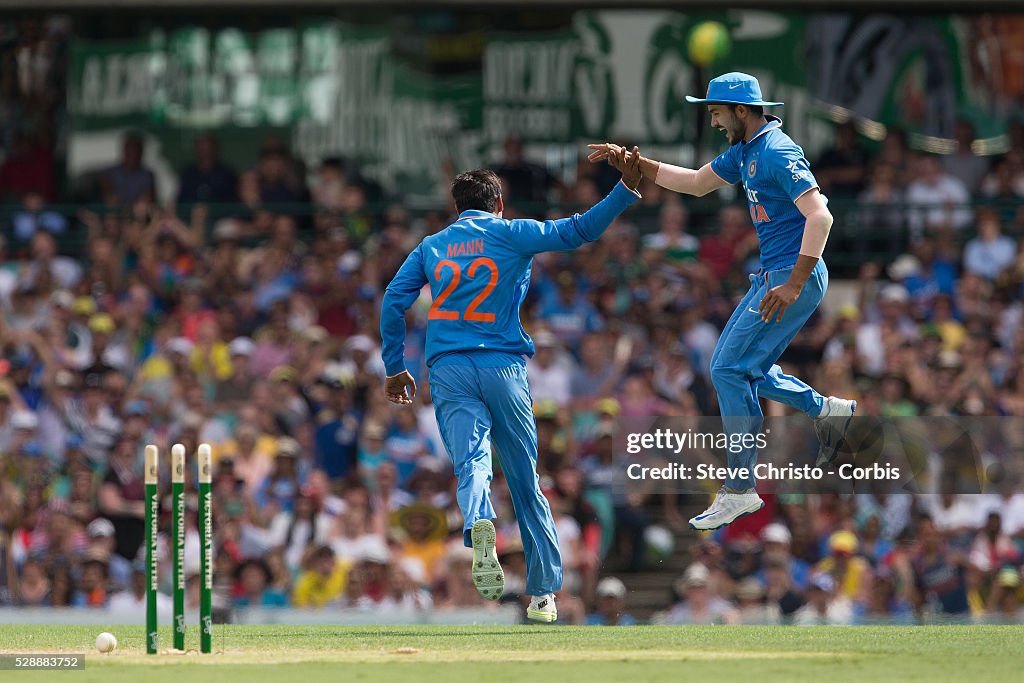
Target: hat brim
<point x="759" y="103"/>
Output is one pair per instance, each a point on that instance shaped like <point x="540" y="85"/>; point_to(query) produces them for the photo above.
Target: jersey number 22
<point x="470" y="313"/>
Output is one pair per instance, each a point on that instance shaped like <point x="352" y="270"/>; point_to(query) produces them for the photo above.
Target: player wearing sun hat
<point x="792" y="223"/>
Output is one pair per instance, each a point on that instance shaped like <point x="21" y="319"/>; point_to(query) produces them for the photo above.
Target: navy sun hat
<point x="734" y="88"/>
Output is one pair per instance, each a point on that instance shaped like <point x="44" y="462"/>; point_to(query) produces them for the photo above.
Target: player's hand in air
<point x="621" y="159"/>
<point x="401" y="388"/>
<point x="777" y="300"/>
<point x="602" y="151"/>
<point x="631" y="173"/>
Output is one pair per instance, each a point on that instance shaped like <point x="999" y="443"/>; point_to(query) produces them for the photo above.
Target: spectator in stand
<point x="1004" y="604"/>
<point x="938" y="201"/>
<point x="963" y="164"/>
<point x="595" y="377"/>
<point x="424" y="528"/>
<point x="695" y="603"/>
<point x="896" y="153"/>
<point x="883" y="214"/>
<point x="273" y="344"/>
<point x="991" y="253"/>
<point x="323" y="582"/>
<point x="779" y="589"/>
<point x="92" y="589"/>
<point x="102" y="542"/>
<point x="35" y="217"/>
<point x="568" y="313"/>
<point x="28" y="169"/>
<point x="254" y="586"/>
<point x="233" y="390"/>
<point x="133" y="600"/>
<point x="129" y="181"/>
<point x="672" y="239"/>
<point x="956" y="516"/>
<point x="277" y="185"/>
<point x="730" y="248"/>
<point x="940" y="575"/>
<point x="328" y="192"/>
<point x="611" y="604"/>
<point x="776" y="540"/>
<point x="991" y="551"/>
<point x="883" y="604"/>
<point x="550" y="370"/>
<point x="1004" y="187"/>
<point x="407" y="445"/>
<point x="121" y="498"/>
<point x="528" y="183"/>
<point x="207" y="179"/>
<point x="842" y="169"/>
<point x="751" y="607"/>
<point x="934" y="275"/>
<point x="825" y="606"/>
<point x="849" y="570"/>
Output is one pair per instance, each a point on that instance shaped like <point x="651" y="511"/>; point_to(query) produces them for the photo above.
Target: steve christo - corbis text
<point x="762" y="471"/>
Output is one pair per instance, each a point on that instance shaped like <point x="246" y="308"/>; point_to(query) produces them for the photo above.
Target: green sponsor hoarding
<point x="333" y="88"/>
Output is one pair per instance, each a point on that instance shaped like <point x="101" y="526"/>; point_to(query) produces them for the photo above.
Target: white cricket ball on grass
<point x="106" y="642"/>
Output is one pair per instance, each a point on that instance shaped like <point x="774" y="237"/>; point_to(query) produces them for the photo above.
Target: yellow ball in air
<point x="709" y="42"/>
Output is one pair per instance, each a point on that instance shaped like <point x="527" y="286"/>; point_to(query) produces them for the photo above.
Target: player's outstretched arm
<point x="398" y="297"/>
<point x="533" y="237"/>
<point x="676" y="178"/>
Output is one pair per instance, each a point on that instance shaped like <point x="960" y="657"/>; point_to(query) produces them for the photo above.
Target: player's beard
<point x="735" y="135"/>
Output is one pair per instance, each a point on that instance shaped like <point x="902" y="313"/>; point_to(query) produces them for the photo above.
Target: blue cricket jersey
<point x="478" y="269"/>
<point x="774" y="173"/>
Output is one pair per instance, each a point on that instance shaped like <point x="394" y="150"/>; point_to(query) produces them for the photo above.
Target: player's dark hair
<point x="755" y="110"/>
<point x="476" y="190"/>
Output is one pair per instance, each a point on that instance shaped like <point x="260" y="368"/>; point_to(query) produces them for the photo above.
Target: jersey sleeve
<point x="788" y="167"/>
<point x="398" y="297"/>
<point x="727" y="165"/>
<point x="529" y="237"/>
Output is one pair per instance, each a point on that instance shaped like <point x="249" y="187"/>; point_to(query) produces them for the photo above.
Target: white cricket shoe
<point x="831" y="427"/>
<point x="488" y="577"/>
<point x="542" y="608"/>
<point x="726" y="508"/>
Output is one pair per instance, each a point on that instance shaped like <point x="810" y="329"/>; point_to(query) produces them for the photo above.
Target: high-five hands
<point x="626" y="162"/>
<point x="604" y="150"/>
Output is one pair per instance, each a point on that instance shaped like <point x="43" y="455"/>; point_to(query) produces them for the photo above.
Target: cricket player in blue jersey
<point x="478" y="270"/>
<point x="792" y="223"/>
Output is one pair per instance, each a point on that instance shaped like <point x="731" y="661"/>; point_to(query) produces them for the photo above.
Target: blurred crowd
<point x="228" y="320"/>
<point x="859" y="559"/>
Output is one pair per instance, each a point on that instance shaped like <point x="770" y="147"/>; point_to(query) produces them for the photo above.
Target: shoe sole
<point x="488" y="577"/>
<point x="826" y="459"/>
<point x="546" y="617"/>
<point x="742" y="514"/>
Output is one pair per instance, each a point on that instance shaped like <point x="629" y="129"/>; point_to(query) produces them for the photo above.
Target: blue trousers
<point x="476" y="406"/>
<point x="743" y="364"/>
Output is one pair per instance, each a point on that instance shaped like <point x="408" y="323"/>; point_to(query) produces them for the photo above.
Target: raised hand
<point x="631" y="172"/>
<point x="603" y="151"/>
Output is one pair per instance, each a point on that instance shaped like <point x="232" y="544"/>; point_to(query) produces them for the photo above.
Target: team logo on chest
<point x="752" y="169"/>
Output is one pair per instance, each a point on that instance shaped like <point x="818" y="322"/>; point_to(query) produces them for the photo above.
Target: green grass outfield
<point x="559" y="654"/>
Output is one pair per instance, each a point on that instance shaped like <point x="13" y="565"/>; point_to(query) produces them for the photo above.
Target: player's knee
<point x="474" y="469"/>
<point x="726" y="376"/>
